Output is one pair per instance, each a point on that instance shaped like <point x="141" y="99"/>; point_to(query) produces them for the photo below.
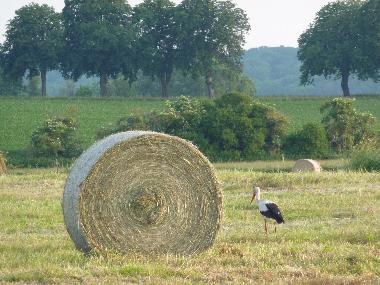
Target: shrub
<point x="346" y="127"/>
<point x="309" y="142"/>
<point x="135" y="121"/>
<point x="232" y="127"/>
<point x="25" y="158"/>
<point x="227" y="126"/>
<point x="240" y="128"/>
<point x="33" y="88"/>
<point x="56" y="138"/>
<point x="368" y="160"/>
<point x="364" y="131"/>
<point x="84" y="91"/>
<point x="275" y="125"/>
<point x="181" y="117"/>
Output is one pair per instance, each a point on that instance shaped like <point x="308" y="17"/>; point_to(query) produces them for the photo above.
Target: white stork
<point x="268" y="209"/>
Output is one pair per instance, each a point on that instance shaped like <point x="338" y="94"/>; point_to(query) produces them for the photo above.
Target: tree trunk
<point x="344" y="84"/>
<point x="43" y="83"/>
<point x="164" y="80"/>
<point x="210" y="86"/>
<point x="103" y="85"/>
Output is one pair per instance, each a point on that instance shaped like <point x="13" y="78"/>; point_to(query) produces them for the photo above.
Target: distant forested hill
<point x="275" y="71"/>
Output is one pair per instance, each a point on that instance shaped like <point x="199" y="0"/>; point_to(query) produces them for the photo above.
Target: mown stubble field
<point x="331" y="234"/>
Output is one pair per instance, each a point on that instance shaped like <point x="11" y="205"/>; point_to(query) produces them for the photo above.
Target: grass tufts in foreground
<point x="331" y="235"/>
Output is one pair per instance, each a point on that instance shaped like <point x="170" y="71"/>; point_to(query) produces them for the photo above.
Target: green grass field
<point x="20" y="116"/>
<point x="302" y="110"/>
<point x="331" y="234"/>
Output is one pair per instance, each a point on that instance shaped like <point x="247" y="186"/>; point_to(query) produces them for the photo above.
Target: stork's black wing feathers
<point x="275" y="213"/>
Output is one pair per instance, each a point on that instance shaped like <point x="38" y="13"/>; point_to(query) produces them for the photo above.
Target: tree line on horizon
<point x="276" y="71"/>
<point x="108" y="38"/>
<point x="343" y="40"/>
<point x="196" y="38"/>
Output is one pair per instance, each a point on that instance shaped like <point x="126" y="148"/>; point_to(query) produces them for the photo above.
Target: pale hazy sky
<point x="273" y="22"/>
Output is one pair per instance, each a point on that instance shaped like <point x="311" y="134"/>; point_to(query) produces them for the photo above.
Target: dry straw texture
<point x="3" y="166"/>
<point x="142" y="192"/>
<point x="307" y="165"/>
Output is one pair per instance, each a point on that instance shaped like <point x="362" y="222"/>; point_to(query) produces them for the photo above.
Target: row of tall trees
<point x="33" y="43"/>
<point x="343" y="40"/>
<point x="108" y="38"/>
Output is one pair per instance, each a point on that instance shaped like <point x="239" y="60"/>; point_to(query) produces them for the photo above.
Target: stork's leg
<point x="265" y="226"/>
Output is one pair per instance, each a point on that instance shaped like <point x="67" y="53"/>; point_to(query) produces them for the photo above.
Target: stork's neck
<point x="258" y="195"/>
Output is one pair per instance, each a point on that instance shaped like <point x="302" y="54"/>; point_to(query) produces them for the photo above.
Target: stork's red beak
<point x="253" y="197"/>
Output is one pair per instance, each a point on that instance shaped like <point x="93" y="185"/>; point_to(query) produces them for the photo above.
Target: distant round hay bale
<point x="307" y="165"/>
<point x="142" y="192"/>
<point x="3" y="165"/>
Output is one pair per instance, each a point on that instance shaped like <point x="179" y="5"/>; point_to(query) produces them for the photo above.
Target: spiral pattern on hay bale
<point x="307" y="165"/>
<point x="142" y="192"/>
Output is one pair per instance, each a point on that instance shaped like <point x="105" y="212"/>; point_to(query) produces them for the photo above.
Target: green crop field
<point x="302" y="110"/>
<point x="331" y="234"/>
<point x="20" y="116"/>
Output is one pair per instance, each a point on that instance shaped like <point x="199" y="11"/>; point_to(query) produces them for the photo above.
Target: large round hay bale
<point x="3" y="165"/>
<point x="307" y="165"/>
<point x="142" y="192"/>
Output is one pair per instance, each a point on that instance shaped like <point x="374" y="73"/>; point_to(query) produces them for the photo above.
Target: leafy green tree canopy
<point x="330" y="47"/>
<point x="311" y="141"/>
<point x="9" y="87"/>
<point x="212" y="32"/>
<point x="347" y="128"/>
<point x="235" y="127"/>
<point x="33" y="43"/>
<point x="155" y="21"/>
<point x="232" y="127"/>
<point x="98" y="37"/>
<point x="370" y="39"/>
<point x="56" y="138"/>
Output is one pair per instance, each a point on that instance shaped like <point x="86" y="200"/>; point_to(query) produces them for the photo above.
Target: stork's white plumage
<point x="268" y="209"/>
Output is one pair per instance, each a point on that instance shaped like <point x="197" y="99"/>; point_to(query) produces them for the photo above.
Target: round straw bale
<point x="3" y="165"/>
<point x="142" y="192"/>
<point x="307" y="165"/>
